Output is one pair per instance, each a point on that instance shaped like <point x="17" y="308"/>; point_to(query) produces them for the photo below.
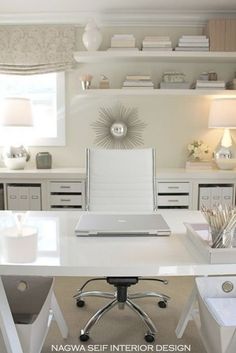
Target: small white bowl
<point x="226" y="163"/>
<point x="15" y="163"/>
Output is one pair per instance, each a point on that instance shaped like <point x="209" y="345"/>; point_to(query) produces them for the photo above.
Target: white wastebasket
<point x="217" y="308"/>
<point x="30" y="301"/>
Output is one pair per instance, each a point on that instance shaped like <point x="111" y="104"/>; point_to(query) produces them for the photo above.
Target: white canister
<point x="92" y="37"/>
<point x="19" y="248"/>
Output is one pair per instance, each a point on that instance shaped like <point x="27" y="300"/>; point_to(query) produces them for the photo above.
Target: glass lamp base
<point x="225" y="153"/>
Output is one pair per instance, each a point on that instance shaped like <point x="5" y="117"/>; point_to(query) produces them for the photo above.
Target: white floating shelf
<point x="155" y="92"/>
<point x="188" y="56"/>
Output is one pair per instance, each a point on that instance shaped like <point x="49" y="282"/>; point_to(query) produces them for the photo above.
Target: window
<point x="47" y="92"/>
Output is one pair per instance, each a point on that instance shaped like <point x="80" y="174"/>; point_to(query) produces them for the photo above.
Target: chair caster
<point x="80" y="303"/>
<point x="149" y="337"/>
<point x="162" y="304"/>
<point x="84" y="337"/>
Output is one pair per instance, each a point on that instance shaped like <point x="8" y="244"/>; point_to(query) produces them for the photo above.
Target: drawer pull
<point x="65" y="200"/>
<point x="13" y="197"/>
<point x="173" y="200"/>
<point x="173" y="187"/>
<point x="65" y="187"/>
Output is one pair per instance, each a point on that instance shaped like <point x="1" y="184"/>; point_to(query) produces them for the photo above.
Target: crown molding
<point x="130" y="18"/>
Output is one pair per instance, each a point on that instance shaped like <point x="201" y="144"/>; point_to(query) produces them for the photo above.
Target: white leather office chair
<point x="121" y="180"/>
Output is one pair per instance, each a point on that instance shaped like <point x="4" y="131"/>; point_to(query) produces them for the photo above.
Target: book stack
<point x="157" y="43"/>
<point x="206" y="84"/>
<point x="193" y="43"/>
<point x="138" y="81"/>
<point x="198" y="165"/>
<point x="123" y="42"/>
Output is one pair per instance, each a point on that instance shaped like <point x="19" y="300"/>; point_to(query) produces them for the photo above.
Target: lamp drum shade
<point x="223" y="114"/>
<point x="17" y="112"/>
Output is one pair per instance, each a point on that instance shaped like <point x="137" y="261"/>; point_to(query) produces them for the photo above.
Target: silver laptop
<point x="91" y="224"/>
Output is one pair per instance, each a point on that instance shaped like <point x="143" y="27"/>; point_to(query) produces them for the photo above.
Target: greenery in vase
<point x="197" y="150"/>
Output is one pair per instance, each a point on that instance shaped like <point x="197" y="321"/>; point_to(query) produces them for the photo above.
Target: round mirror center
<point x="118" y="130"/>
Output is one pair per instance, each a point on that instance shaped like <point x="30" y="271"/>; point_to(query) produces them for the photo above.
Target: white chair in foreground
<point x="121" y="181"/>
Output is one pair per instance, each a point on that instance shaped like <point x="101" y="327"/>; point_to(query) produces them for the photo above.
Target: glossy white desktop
<point x="61" y="253"/>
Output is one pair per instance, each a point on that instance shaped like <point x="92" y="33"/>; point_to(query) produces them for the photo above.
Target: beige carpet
<point x="123" y="327"/>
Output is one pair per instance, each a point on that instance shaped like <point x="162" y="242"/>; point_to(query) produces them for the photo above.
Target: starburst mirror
<point x="118" y="127"/>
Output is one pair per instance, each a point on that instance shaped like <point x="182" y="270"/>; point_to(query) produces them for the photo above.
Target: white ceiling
<point x="32" y="6"/>
<point x="79" y="10"/>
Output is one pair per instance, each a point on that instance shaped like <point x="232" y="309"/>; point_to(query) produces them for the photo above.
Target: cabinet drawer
<point x="173" y="200"/>
<point x="173" y="188"/>
<point x="66" y="200"/>
<point x="66" y="187"/>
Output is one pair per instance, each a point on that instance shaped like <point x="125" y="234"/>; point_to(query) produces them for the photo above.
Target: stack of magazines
<point x="123" y="42"/>
<point x="138" y="81"/>
<point x="207" y="84"/>
<point x="193" y="43"/>
<point x="157" y="43"/>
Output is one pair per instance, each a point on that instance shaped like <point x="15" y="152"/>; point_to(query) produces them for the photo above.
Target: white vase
<point x="92" y="37"/>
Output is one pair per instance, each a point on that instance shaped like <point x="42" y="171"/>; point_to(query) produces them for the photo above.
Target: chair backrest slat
<point x="121" y="180"/>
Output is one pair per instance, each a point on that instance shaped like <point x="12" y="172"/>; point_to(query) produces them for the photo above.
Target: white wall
<point x="172" y="121"/>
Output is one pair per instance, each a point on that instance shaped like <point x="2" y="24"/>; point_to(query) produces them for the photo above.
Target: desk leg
<point x="7" y="325"/>
<point x="186" y="313"/>
<point x="59" y="317"/>
<point x="232" y="345"/>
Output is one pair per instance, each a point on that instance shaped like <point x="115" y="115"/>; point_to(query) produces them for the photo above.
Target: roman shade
<point x="32" y="49"/>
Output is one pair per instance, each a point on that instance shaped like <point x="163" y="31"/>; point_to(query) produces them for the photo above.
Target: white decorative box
<point x="199" y="236"/>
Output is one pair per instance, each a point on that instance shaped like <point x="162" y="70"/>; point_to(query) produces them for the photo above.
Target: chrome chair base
<point x="151" y="329"/>
<point x="121" y="303"/>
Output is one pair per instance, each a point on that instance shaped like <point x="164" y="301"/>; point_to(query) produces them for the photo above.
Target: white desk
<point x="61" y="253"/>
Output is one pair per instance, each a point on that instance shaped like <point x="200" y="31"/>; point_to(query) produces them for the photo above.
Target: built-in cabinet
<point x="194" y="195"/>
<point x="173" y="194"/>
<point x="64" y="189"/>
<point x="66" y="195"/>
<point x="211" y="195"/>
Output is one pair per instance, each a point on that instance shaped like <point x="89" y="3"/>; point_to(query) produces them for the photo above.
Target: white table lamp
<point x="16" y="112"/>
<point x="223" y="115"/>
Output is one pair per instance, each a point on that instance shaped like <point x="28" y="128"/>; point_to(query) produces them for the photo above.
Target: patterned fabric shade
<point x="32" y="49"/>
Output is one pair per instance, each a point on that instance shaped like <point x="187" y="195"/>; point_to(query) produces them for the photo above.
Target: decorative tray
<point x="198" y="234"/>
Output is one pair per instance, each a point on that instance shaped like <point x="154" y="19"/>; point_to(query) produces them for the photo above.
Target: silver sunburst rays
<point x="118" y="127"/>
